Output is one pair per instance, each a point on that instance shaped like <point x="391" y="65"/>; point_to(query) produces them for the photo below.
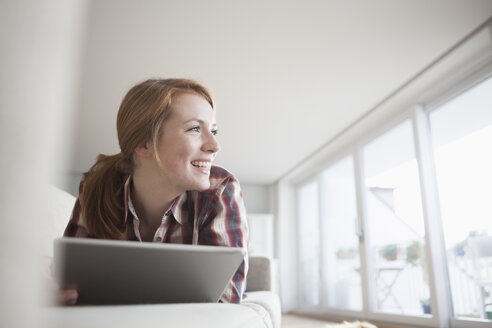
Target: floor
<point x="293" y="321"/>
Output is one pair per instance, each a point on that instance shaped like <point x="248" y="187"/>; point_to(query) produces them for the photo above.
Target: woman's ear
<point x="145" y="151"/>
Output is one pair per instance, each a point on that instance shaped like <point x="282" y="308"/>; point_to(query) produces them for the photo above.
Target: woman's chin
<point x="205" y="187"/>
<point x="201" y="186"/>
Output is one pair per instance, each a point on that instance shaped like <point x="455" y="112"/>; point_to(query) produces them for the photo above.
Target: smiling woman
<point x="162" y="186"/>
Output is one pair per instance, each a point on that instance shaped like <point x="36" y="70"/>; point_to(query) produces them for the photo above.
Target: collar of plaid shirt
<point x="172" y="210"/>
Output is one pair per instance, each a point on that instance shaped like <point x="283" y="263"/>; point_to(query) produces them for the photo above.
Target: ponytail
<point x="101" y="199"/>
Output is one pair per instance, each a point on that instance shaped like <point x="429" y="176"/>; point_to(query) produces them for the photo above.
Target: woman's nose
<point x="211" y="145"/>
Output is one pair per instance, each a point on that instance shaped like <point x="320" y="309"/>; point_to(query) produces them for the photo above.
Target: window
<point x="341" y="259"/>
<point x="396" y="224"/>
<point x="309" y="248"/>
<point x="462" y="139"/>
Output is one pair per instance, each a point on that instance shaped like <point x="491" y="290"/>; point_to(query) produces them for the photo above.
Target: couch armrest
<point x="260" y="274"/>
<point x="268" y="301"/>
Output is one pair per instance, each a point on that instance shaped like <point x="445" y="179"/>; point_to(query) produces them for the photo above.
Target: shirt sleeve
<point x="227" y="226"/>
<point x="75" y="227"/>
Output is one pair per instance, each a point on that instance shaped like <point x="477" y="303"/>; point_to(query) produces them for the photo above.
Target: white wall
<point x="40" y="50"/>
<point x="257" y="197"/>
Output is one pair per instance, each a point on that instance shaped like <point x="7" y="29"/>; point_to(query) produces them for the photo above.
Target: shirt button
<point x="158" y="239"/>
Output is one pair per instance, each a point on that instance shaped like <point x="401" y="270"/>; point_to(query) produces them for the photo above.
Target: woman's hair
<point x="140" y="118"/>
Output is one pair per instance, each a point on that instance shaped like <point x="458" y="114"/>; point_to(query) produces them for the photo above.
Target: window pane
<point x="462" y="139"/>
<point x="396" y="225"/>
<point x="342" y="274"/>
<point x="308" y="223"/>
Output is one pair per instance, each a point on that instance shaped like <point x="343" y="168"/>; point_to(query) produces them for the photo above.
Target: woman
<point x="162" y="186"/>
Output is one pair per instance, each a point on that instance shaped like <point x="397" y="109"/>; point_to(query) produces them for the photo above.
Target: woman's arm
<point x="226" y="225"/>
<point x="75" y="227"/>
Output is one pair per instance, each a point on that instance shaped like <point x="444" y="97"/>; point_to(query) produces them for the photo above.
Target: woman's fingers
<point x="67" y="296"/>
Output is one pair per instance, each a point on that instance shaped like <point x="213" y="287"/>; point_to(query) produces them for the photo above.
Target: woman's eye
<point x="214" y="132"/>
<point x="195" y="129"/>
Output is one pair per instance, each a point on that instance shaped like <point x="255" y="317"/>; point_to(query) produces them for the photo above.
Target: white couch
<point x="260" y="308"/>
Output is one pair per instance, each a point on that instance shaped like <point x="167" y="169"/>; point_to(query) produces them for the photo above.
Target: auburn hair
<point x="141" y="115"/>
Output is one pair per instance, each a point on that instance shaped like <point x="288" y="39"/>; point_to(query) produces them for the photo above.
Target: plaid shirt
<point x="216" y="216"/>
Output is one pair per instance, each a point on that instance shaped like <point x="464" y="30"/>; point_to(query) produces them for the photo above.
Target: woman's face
<point x="187" y="145"/>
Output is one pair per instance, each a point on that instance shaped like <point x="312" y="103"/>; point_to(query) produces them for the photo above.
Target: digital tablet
<point x="129" y="272"/>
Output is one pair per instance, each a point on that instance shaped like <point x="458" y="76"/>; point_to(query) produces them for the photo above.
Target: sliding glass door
<point x="396" y="223"/>
<point x="340" y="243"/>
<point x="462" y="143"/>
<point x="309" y="245"/>
<point x="330" y="273"/>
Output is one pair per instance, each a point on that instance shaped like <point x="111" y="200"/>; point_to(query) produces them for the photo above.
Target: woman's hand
<point x="60" y="296"/>
<point x="67" y="296"/>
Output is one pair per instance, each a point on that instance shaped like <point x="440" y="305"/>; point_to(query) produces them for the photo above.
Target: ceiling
<point x="287" y="76"/>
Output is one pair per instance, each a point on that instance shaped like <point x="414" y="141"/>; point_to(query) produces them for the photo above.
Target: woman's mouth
<point x="203" y="166"/>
